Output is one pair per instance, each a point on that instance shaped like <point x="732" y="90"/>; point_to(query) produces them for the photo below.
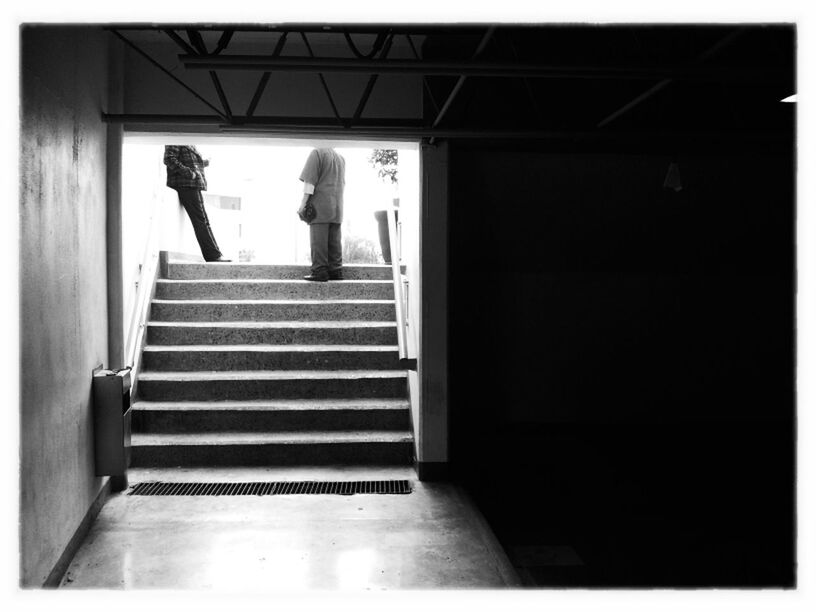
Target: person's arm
<point x="308" y="190"/>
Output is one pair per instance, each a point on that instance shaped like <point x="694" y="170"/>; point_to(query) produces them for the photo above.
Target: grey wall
<point x="63" y="286"/>
<point x="614" y="299"/>
<point x="621" y="357"/>
<point x="433" y="349"/>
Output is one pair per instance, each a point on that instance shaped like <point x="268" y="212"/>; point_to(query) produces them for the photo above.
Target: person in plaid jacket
<point x="185" y="174"/>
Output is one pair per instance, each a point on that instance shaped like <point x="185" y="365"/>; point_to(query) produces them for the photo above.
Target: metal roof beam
<point x="478" y="69"/>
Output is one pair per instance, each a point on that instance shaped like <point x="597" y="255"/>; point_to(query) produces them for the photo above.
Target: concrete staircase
<point x="248" y="364"/>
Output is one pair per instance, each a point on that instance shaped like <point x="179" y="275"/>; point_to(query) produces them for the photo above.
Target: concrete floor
<point x="433" y="538"/>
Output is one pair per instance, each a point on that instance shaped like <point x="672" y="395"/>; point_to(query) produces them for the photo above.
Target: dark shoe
<point x="336" y="275"/>
<point x="320" y="278"/>
<point x="219" y="260"/>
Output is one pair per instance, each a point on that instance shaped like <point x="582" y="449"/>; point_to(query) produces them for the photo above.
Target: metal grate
<point x="354" y="487"/>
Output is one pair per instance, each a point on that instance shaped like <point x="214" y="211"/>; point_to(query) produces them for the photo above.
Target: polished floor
<point x="433" y="538"/>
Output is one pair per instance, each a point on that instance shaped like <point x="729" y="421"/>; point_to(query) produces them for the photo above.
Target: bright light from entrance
<point x="790" y="99"/>
<point x="253" y="193"/>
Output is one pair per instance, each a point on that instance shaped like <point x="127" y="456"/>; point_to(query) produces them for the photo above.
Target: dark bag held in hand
<point x="308" y="213"/>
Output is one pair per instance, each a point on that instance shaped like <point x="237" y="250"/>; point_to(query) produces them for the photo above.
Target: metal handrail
<point x="402" y="336"/>
<point x="134" y="343"/>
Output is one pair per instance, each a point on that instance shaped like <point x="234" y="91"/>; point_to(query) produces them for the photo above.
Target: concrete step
<point x="279" y="448"/>
<point x="272" y="332"/>
<point x="269" y="415"/>
<point x="178" y="270"/>
<point x="191" y="358"/>
<point x="242" y="289"/>
<point x="213" y="311"/>
<point x="253" y="384"/>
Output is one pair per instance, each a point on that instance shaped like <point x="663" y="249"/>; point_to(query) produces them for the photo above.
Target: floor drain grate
<point x="374" y="487"/>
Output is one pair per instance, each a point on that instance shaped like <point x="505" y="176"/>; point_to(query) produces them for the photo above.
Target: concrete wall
<point x="63" y="287"/>
<point x="433" y="348"/>
<point x="603" y="297"/>
<point x="621" y="357"/>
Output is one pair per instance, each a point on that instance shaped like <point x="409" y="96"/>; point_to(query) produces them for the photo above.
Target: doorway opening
<point x="253" y="192"/>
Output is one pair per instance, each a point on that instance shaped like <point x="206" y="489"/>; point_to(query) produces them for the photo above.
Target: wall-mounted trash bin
<point x="112" y="415"/>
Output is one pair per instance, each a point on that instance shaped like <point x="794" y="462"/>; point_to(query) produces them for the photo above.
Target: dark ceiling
<point x="521" y="81"/>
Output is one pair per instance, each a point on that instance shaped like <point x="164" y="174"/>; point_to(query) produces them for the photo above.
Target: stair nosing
<point x="271" y="348"/>
<point x="305" y="266"/>
<point x="328" y="405"/>
<point x="263" y="301"/>
<point x="271" y="281"/>
<point x="336" y="324"/>
<point x="239" y="438"/>
<point x="194" y="375"/>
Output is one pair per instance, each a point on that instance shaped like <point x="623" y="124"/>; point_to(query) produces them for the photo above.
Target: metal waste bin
<point x="112" y="415"/>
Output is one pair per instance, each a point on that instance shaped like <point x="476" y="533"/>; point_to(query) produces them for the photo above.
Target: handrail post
<point x="402" y="337"/>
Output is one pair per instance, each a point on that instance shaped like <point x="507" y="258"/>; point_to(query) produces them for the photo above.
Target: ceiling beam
<point x="288" y="121"/>
<point x="411" y="128"/>
<point x="478" y="69"/>
<point x="309" y="28"/>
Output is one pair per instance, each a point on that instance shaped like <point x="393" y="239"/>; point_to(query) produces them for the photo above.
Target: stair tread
<point x="231" y="264"/>
<point x="288" y="302"/>
<point x="283" y="437"/>
<point x="270" y="281"/>
<point x="271" y="405"/>
<point x="271" y="348"/>
<point x="276" y="324"/>
<point x="271" y="375"/>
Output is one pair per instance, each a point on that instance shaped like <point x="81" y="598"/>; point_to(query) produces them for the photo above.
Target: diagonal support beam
<point x="198" y="42"/>
<point x="461" y="81"/>
<point x="322" y="80"/>
<point x="424" y="78"/>
<point x="168" y="73"/>
<point x="221" y="95"/>
<point x="265" y="77"/>
<point x="530" y="94"/>
<point x="226" y="37"/>
<point x="662" y="84"/>
<point x="372" y="80"/>
<point x="179" y="41"/>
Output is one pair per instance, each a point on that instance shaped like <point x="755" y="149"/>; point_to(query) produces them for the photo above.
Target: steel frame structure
<point x="194" y="55"/>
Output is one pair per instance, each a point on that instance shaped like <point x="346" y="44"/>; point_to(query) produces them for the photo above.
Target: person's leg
<point x="319" y="240"/>
<point x="335" y="242"/>
<point x="194" y="205"/>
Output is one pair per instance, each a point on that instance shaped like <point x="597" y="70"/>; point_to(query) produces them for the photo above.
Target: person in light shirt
<point x="324" y="179"/>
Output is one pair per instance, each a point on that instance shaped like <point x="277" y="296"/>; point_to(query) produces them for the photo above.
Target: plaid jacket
<point x="185" y="167"/>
